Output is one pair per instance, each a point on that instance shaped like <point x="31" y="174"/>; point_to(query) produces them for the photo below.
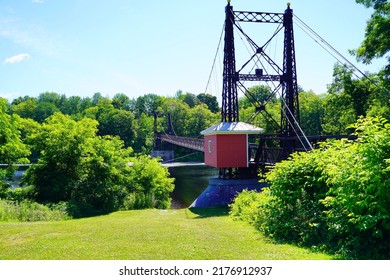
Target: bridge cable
<point x="322" y="40"/>
<point x="182" y="157"/>
<point x="215" y="58"/>
<point x="254" y="48"/>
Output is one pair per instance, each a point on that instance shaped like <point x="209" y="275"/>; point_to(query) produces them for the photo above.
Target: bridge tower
<point x="234" y="179"/>
<point x="290" y="116"/>
<point x="163" y="149"/>
<point x="229" y="88"/>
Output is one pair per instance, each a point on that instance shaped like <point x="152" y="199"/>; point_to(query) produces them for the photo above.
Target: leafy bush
<point x="336" y="197"/>
<point x="251" y="207"/>
<point x="27" y="211"/>
<point x="94" y="174"/>
<point x="147" y="176"/>
<point x="20" y="194"/>
<point x="358" y="200"/>
<point x="139" y="201"/>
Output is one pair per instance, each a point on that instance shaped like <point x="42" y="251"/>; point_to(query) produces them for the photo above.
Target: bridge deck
<point x="190" y="143"/>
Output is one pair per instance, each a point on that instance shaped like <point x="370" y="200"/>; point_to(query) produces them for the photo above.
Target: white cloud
<point x="17" y="58"/>
<point x="38" y="1"/>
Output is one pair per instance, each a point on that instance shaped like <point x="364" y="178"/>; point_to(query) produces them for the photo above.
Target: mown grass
<point x="184" y="234"/>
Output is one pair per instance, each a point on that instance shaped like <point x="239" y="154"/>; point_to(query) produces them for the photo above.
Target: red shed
<point x="226" y="144"/>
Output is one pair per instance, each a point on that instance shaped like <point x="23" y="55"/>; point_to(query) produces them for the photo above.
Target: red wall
<point x="226" y="150"/>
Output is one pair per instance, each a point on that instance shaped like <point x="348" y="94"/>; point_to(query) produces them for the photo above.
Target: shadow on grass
<point x="207" y="212"/>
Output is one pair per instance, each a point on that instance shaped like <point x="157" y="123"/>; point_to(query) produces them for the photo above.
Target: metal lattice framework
<point x="285" y="76"/>
<point x="229" y="88"/>
<point x="284" y="80"/>
<point x="258" y="17"/>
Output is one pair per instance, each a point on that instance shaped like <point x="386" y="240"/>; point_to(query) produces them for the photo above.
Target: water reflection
<point x="190" y="182"/>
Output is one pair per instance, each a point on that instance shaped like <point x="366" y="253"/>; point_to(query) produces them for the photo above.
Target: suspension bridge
<point x="240" y="149"/>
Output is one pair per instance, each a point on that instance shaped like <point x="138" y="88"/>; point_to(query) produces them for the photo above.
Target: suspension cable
<point x="335" y="52"/>
<point x="215" y="58"/>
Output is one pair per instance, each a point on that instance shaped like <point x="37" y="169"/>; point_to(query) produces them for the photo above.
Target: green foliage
<point x="358" y="200"/>
<point x="376" y="43"/>
<point x="145" y="134"/>
<point x="27" y="211"/>
<point x="295" y="212"/>
<point x="139" y="200"/>
<point x="210" y="101"/>
<point x="92" y="174"/>
<point x="377" y="38"/>
<point x="12" y="149"/>
<point x="20" y="194"/>
<point x="151" y="179"/>
<point x="312" y="112"/>
<point x="251" y="207"/>
<point x="336" y="198"/>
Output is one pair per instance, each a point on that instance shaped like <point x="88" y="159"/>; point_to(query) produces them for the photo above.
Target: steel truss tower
<point x="286" y="75"/>
<point x="229" y="88"/>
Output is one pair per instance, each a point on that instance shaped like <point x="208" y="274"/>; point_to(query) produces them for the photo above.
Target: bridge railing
<point x="190" y="143"/>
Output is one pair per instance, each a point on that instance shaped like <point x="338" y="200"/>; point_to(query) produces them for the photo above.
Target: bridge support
<point x="163" y="150"/>
<point x="221" y="192"/>
<point x="166" y="156"/>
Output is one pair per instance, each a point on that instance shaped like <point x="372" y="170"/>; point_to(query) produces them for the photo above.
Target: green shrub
<point x="94" y="174"/>
<point x="251" y="207"/>
<point x="139" y="201"/>
<point x="20" y="194"/>
<point x="27" y="211"/>
<point x="336" y="197"/>
<point x="358" y="201"/>
<point x="148" y="176"/>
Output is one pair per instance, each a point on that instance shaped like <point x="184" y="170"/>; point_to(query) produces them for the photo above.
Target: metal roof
<point x="232" y="128"/>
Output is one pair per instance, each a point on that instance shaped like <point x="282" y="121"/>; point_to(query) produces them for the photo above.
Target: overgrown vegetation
<point x="27" y="211"/>
<point x="335" y="198"/>
<point x="87" y="173"/>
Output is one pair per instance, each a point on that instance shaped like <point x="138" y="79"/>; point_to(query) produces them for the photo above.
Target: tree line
<point x="75" y="140"/>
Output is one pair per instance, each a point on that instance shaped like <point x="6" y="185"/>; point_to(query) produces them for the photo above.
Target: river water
<point x="190" y="182"/>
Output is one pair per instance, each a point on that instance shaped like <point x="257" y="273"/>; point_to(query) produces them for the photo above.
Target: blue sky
<point x="79" y="47"/>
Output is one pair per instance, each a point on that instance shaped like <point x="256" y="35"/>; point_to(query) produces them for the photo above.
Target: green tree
<point x="149" y="177"/>
<point x="71" y="105"/>
<point x="210" y="100"/>
<point x="93" y="174"/>
<point x="189" y="98"/>
<point x="25" y="107"/>
<point x="145" y="134"/>
<point x="53" y="98"/>
<point x="121" y="101"/>
<point x="347" y="99"/>
<point x="336" y="197"/>
<point x="148" y="104"/>
<point x="44" y="110"/>
<point x="12" y="149"/>
<point x="180" y="112"/>
<point x="64" y="146"/>
<point x="312" y="112"/>
<point x="200" y="118"/>
<point x="376" y="42"/>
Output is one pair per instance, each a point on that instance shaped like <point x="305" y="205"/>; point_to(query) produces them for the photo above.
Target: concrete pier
<point x="165" y="155"/>
<point x="221" y="192"/>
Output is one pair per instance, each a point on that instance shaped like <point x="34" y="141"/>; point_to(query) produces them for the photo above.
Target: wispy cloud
<point x="38" y="1"/>
<point x="17" y="58"/>
<point x="33" y="37"/>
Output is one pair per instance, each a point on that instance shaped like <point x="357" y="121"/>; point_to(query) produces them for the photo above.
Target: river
<point x="190" y="182"/>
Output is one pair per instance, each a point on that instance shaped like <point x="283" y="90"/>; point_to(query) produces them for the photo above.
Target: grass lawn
<point x="184" y="234"/>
